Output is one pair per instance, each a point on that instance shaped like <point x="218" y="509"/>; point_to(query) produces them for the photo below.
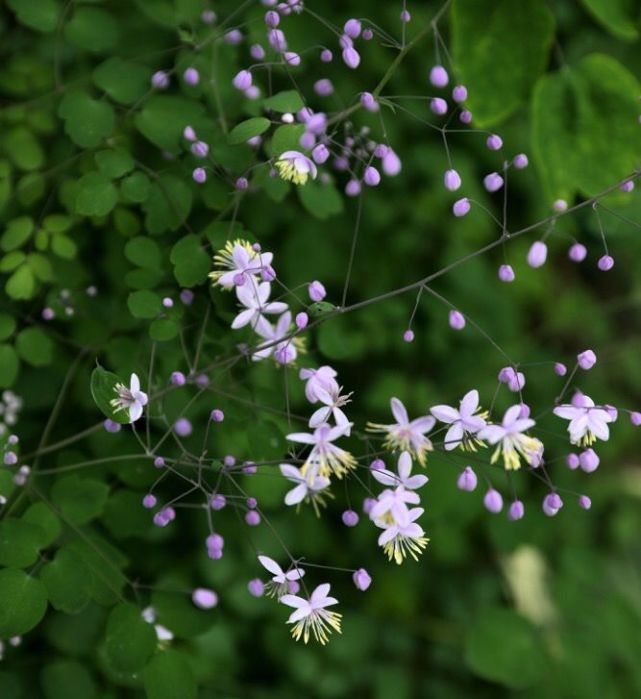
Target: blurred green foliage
<point x="96" y="191"/>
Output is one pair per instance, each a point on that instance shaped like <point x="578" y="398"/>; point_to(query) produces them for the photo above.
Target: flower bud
<point x="585" y="502"/>
<point x="159" y="462"/>
<point x="323" y="87"/>
<point x="183" y="427"/>
<point x="352" y="28"/>
<point x="252" y="518"/>
<point x="577" y="252"/>
<point x="560" y="369"/>
<point x="459" y="93"/>
<point x="537" y="254"/>
<point x="408" y="336"/>
<point x="350" y="518"/>
<point x="257" y="52"/>
<point x="199" y="175"/>
<point x="369" y="102"/>
<point x="316" y="291"/>
<point x="635" y="418"/>
<point x="520" y="161"/>
<point x="452" y="180"/>
<point x="149" y="501"/>
<point x="362" y="579"/>
<point x="391" y="163"/>
<point x="256" y="587"/>
<point x="586" y="359"/>
<point x="353" y="188"/>
<point x="506" y="273"/>
<point x="10" y="458"/>
<point x="302" y="319"/>
<point x="351" y="57"/>
<point x="160" y="80"/>
<point x="189" y="134"/>
<point x="438" y="106"/>
<point x="494" y="142"/>
<point x="589" y="461"/>
<point x="456" y="320"/>
<point x="516" y="511"/>
<point x="191" y="76"/>
<point x="242" y="80"/>
<point x="111" y="426"/>
<point x="178" y="378"/>
<point x="627" y="186"/>
<point x="204" y="598"/>
<point x="560" y="205"/>
<point x="605" y="263"/>
<point x="493" y="182"/>
<point x="572" y="461"/>
<point x="465" y="117"/>
<point x="217" y="415"/>
<point x="493" y="501"/>
<point x="326" y="56"/>
<point x="320" y="154"/>
<point x="439" y="76"/>
<point x="372" y="176"/>
<point x="467" y="480"/>
<point x="272" y="19"/>
<point x="461" y="207"/>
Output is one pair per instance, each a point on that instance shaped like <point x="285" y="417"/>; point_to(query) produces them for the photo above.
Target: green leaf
<point x="503" y="647"/>
<point x="169" y="676"/>
<point x="79" y="499"/>
<point x="7" y="326"/>
<point x="115" y="162"/>
<point x="191" y="262"/>
<point x="242" y="132"/>
<point x="87" y="121"/>
<point x="67" y="679"/>
<point x="320" y="199"/>
<point x="35" y="347"/>
<point x="163" y="329"/>
<point x="136" y="187"/>
<point x="41" y="15"/>
<point x="24" y="602"/>
<point x="21" y="284"/>
<point x="124" y="81"/>
<point x="164" y="117"/>
<point x="57" y="223"/>
<point x="168" y="204"/>
<point x="286" y="101"/>
<point x="617" y="16"/>
<point x="92" y="29"/>
<point x="19" y="543"/>
<point x="286" y="137"/>
<point x="130" y="640"/>
<point x="144" y="304"/>
<point x="68" y="581"/>
<point x="103" y="391"/>
<point x="499" y="48"/>
<point x="9" y="366"/>
<point x="14" y="259"/>
<point x="40" y="266"/>
<point x="43" y="516"/>
<point x="104" y="562"/>
<point x="96" y="195"/>
<point x="63" y="246"/>
<point x="585" y="134"/>
<point x="144" y="252"/>
<point x="24" y="149"/>
<point x="179" y="615"/>
<point x="17" y="232"/>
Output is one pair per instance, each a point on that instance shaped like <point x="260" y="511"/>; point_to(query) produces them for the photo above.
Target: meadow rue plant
<point x="242" y="214"/>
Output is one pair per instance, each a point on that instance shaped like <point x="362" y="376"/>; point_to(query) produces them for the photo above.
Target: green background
<point x="543" y="607"/>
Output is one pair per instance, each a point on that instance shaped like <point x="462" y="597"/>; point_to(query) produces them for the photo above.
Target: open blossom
<point x="295" y="167"/>
<point x="325" y="455"/>
<point x="131" y="399"/>
<point x="279" y="585"/>
<point x="404" y="434"/>
<point x="310" y="486"/>
<point x="404" y="477"/>
<point x="321" y="380"/>
<point x="254" y="297"/>
<point x="403" y="536"/>
<point x="391" y="505"/>
<point x="511" y="442"/>
<point x="464" y="423"/>
<point x="238" y="260"/>
<point x="587" y="423"/>
<point x="310" y="616"/>
<point x="333" y="404"/>
<point x="283" y="348"/>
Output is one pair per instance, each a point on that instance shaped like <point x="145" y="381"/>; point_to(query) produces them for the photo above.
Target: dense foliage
<point x="106" y="247"/>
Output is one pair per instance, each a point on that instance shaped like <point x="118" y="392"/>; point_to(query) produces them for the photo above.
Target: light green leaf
<point x="17" y="232"/>
<point x="320" y="199"/>
<point x="163" y="329"/>
<point x="87" y="121"/>
<point x="43" y="516"/>
<point x="242" y="132"/>
<point x="286" y="137"/>
<point x="34" y="347"/>
<point x="124" y="81"/>
<point x="169" y="676"/>
<point x="136" y="187"/>
<point x="24" y="602"/>
<point x="617" y="16"/>
<point x="144" y="304"/>
<point x="7" y="326"/>
<point x="130" y="640"/>
<point x="144" y="252"/>
<point x="191" y="262"/>
<point x="92" y="29"/>
<point x="9" y="366"/>
<point x="96" y="195"/>
<point x="114" y="162"/>
<point x="68" y="581"/>
<point x="499" y="48"/>
<point x="41" y="15"/>
<point x="23" y="148"/>
<point x="164" y="117"/>
<point x="168" y="204"/>
<point x="286" y="101"/>
<point x="21" y="284"/>
<point x="79" y="499"/>
<point x="20" y="542"/>
<point x="585" y="134"/>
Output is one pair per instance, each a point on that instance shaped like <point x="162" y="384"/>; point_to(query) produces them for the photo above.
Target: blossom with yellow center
<point x="295" y="167"/>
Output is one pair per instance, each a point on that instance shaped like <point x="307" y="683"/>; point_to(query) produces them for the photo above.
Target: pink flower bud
<point x="191" y="76"/>
<point x="577" y="252"/>
<point x="189" y="134"/>
<point x="183" y="427"/>
<point x="362" y="579"/>
<point x="560" y="205"/>
<point x="408" y="336"/>
<point x="256" y="587"/>
<point x="506" y="273"/>
<point x="316" y="291"/>
<point x="369" y="102"/>
<point x="465" y="117"/>
<point x="586" y="359"/>
<point x="635" y="418"/>
<point x="493" y="182"/>
<point x="323" y="87"/>
<point x="272" y="19"/>
<point x="516" y="511"/>
<point x="467" y="480"/>
<point x="439" y="76"/>
<point x="451" y="180"/>
<point x="257" y="52"/>
<point x="177" y="378"/>
<point x="204" y="598"/>
<point x="217" y="502"/>
<point x="520" y="161"/>
<point x="438" y="106"/>
<point x="351" y="57"/>
<point x="159" y="462"/>
<point x="291" y="58"/>
<point x="456" y="320"/>
<point x="242" y="80"/>
<point x="353" y="188"/>
<point x="537" y="254"/>
<point x="252" y="518"/>
<point x="199" y="175"/>
<point x="391" y="163"/>
<point x="350" y="518"/>
<point x="301" y="320"/>
<point x="560" y="369"/>
<point x="326" y="56"/>
<point x="589" y="460"/>
<point x="320" y="154"/>
<point x="459" y="93"/>
<point x="605" y="263"/>
<point x="627" y="186"/>
<point x="160" y="80"/>
<point x="585" y="502"/>
<point x="494" y="142"/>
<point x="372" y="176"/>
<point x="552" y="503"/>
<point x="572" y="461"/>
<point x="461" y="207"/>
<point x="493" y="501"/>
<point x="352" y="28"/>
<point x="217" y="415"/>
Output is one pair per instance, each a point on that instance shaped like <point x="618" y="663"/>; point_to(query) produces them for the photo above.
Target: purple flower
<point x="362" y="579"/>
<point x="439" y="76"/>
<point x="467" y="480"/>
<point x="537" y="254"/>
<point x="130" y="399"/>
<point x="493" y="501"/>
<point x="242" y="80"/>
<point x="586" y="359"/>
<point x="404" y="477"/>
<point x="295" y="167"/>
<point x="204" y="598"/>
<point x="464" y="422"/>
<point x="452" y="180"/>
<point x="511" y="441"/>
<point x="587" y="423"/>
<point x="461" y="207"/>
<point x="310" y="616"/>
<point x="316" y="291"/>
<point x="254" y="297"/>
<point x="506" y="273"/>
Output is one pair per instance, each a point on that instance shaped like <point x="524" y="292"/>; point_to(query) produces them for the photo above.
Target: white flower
<point x="403" y="478"/>
<point x="512" y="442"/>
<point x="279" y="584"/>
<point x="321" y="379"/>
<point x="325" y="455"/>
<point x="403" y="537"/>
<point x="464" y="424"/>
<point x="406" y="435"/>
<point x="333" y="403"/>
<point x="391" y="506"/>
<point x="131" y="399"/>
<point x="587" y="423"/>
<point x="309" y="486"/>
<point x="284" y="352"/>
<point x="295" y="167"/>
<point x="239" y="258"/>
<point x="254" y="297"/>
<point x="311" y="616"/>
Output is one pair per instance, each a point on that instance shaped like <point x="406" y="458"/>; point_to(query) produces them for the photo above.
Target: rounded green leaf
<point x="79" y="499"/>
<point x="87" y="121"/>
<point x="24" y="149"/>
<point x="7" y="326"/>
<point x="163" y="329"/>
<point x="17" y="232"/>
<point x="68" y="581"/>
<point x="503" y="647"/>
<point x="144" y="304"/>
<point x="169" y="676"/>
<point x="21" y="285"/>
<point x="499" y="48"/>
<point x="41" y="15"/>
<point x="191" y="262"/>
<point x="242" y="132"/>
<point x="9" y="365"/>
<point x="35" y="347"/>
<point x="96" y="195"/>
<point x="24" y="602"/>
<point x="92" y="29"/>
<point x="285" y="101"/>
<point x="130" y="640"/>
<point x="144" y="252"/>
<point x="20" y="542"/>
<point x="286" y="137"/>
<point x="164" y="117"/>
<point x="67" y="679"/>
<point x="124" y="81"/>
<point x="322" y="200"/>
<point x="617" y="16"/>
<point x="43" y="516"/>
<point x="115" y="162"/>
<point x="136" y="187"/>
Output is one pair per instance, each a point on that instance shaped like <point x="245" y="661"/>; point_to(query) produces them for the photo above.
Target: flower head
<point x="403" y="536"/>
<point x="587" y="423"/>
<point x="404" y="477"/>
<point x="309" y="486"/>
<point x="238" y="260"/>
<point x="319" y="380"/>
<point x="254" y="297"/>
<point x="295" y="167"/>
<point x="464" y="423"/>
<point x="511" y="442"/>
<point x="404" y="434"/>
<point x="325" y="456"/>
<point x="279" y="585"/>
<point x="130" y="399"/>
<point x="284" y="349"/>
<point x="311" y="617"/>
